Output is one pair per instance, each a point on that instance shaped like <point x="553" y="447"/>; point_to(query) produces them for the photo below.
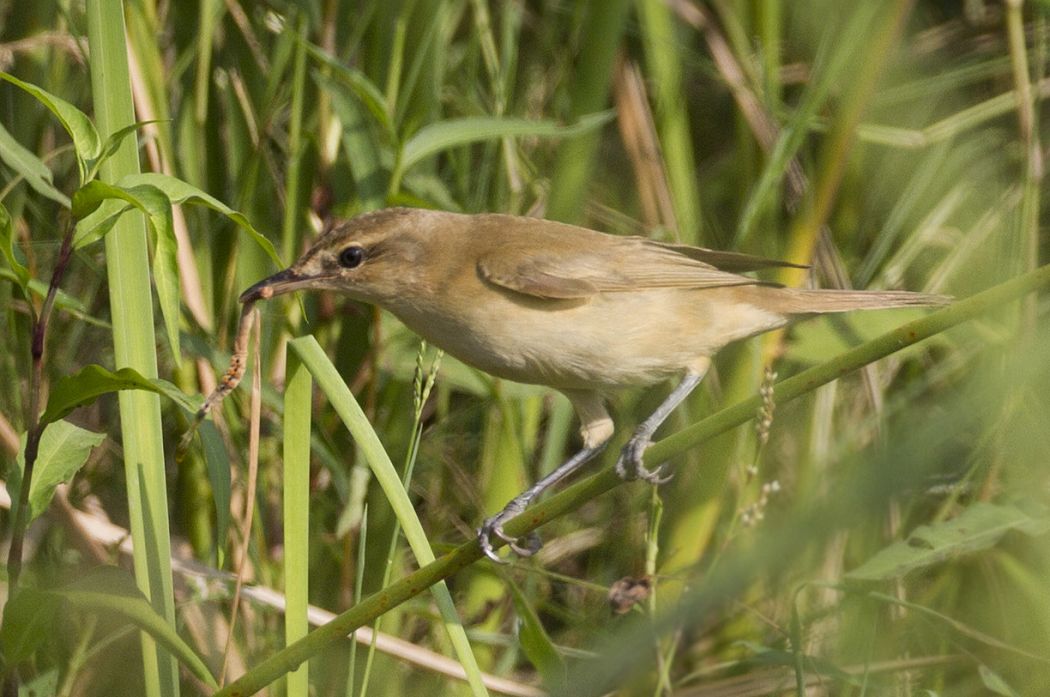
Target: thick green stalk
<point x="664" y="68"/>
<point x="576" y="495"/>
<point x="290" y="228"/>
<point x="134" y="344"/>
<point x="297" y="396"/>
<point x="590" y="93"/>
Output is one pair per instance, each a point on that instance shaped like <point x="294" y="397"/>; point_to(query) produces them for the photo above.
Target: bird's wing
<point x="604" y="264"/>
<point x="729" y="261"/>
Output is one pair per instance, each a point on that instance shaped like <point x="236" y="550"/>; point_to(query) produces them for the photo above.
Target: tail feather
<point x="798" y="301"/>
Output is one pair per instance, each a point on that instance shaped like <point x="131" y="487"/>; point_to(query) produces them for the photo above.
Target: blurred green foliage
<point x="893" y="144"/>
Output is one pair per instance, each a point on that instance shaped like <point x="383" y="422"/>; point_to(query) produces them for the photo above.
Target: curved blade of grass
<point x="342" y="400"/>
<point x="217" y="462"/>
<point x="363" y="88"/>
<point x="442" y="135"/>
<point x="113" y="143"/>
<point x="110" y="589"/>
<point x="535" y="642"/>
<point x="63" y="300"/>
<point x="364" y="156"/>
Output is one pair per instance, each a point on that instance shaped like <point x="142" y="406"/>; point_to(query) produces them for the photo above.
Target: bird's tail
<point x="799" y="301"/>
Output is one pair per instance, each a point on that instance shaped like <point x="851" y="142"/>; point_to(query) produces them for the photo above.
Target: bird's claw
<point x="631" y="465"/>
<point x="523" y="547"/>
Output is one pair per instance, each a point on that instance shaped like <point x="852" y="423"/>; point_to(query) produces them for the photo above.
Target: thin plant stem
<point x="36" y="398"/>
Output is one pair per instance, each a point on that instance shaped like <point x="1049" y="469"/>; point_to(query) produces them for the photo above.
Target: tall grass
<point x="134" y="342"/>
<point x="890" y="536"/>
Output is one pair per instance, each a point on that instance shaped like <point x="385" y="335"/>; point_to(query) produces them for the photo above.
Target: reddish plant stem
<point x="36" y="398"/>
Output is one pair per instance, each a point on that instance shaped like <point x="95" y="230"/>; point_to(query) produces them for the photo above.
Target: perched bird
<point x="580" y="311"/>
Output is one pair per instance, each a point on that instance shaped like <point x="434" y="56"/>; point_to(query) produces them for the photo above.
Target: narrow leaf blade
<point x="442" y="135"/>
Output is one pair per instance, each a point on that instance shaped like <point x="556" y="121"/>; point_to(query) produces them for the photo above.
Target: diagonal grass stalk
<point x="577" y="494"/>
<point x="311" y="354"/>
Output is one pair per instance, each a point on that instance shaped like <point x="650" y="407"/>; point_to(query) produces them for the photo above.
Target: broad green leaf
<point x="93" y="381"/>
<point x="107" y="589"/>
<point x="63" y="450"/>
<point x="7" y="248"/>
<point x="29" y="621"/>
<point x="157" y="206"/>
<point x="184" y="193"/>
<point x="86" y="141"/>
<point x="979" y="527"/>
<point x="94" y="226"/>
<point x="218" y="464"/>
<point x="442" y="135"/>
<point x="536" y="643"/>
<point x="31" y="167"/>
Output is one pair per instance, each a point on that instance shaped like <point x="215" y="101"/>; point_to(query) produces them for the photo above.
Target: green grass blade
<point x="297" y="404"/>
<point x="606" y="22"/>
<point x="342" y="400"/>
<point x="442" y="135"/>
<point x="134" y="344"/>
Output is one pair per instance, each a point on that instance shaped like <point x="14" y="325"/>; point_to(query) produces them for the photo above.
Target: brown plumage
<point x="543" y="302"/>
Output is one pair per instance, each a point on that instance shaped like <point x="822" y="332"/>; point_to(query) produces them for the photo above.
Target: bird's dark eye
<point x="351" y="257"/>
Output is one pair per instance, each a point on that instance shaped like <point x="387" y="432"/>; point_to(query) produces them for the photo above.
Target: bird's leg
<point x="630" y="465"/>
<point x="494" y="525"/>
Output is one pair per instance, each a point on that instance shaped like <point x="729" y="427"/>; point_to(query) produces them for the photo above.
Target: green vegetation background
<point x="888" y="538"/>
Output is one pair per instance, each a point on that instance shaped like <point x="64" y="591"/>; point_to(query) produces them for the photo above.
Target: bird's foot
<point x="493" y="527"/>
<point x="631" y="464"/>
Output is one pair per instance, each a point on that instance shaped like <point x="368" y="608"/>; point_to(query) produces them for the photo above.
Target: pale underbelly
<point x="612" y="340"/>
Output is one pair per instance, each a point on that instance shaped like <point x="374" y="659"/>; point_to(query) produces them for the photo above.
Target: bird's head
<point x="376" y="257"/>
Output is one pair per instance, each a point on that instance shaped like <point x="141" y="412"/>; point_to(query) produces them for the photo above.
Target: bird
<point x="577" y="310"/>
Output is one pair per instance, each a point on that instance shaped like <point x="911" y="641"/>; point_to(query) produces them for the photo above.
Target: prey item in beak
<point x="283" y="282"/>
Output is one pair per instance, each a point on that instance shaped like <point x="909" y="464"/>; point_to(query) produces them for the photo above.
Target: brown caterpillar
<point x="231" y="378"/>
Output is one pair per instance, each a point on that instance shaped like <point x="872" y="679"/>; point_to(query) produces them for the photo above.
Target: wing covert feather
<point x="564" y="267"/>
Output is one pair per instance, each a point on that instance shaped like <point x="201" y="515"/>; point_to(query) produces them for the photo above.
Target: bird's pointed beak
<point x="283" y="282"/>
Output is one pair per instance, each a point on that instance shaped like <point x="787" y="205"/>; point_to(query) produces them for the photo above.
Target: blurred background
<point x="882" y="535"/>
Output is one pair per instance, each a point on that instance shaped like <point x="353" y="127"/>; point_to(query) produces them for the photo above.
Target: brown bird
<point x="541" y="302"/>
